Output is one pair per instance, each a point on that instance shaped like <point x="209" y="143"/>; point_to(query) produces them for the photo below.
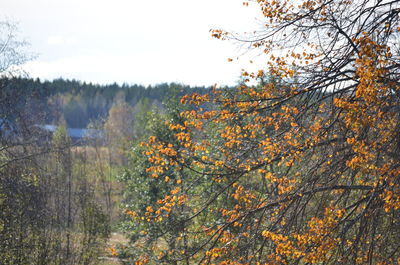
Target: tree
<point x="303" y="170"/>
<point x="62" y="190"/>
<point x="156" y="241"/>
<point x="119" y="128"/>
<point x="44" y="218"/>
<point x="12" y="50"/>
<point x="23" y="210"/>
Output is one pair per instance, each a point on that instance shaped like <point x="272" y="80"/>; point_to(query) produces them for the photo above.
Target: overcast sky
<point x="132" y="41"/>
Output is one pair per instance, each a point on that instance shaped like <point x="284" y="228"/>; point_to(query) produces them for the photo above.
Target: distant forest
<point x="79" y="103"/>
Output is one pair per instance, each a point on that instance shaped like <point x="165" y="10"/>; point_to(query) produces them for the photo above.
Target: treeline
<point x="79" y="103"/>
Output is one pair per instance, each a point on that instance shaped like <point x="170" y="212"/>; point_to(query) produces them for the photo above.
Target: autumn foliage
<point x="302" y="168"/>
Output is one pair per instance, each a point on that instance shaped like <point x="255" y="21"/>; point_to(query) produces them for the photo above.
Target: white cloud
<point x="100" y="67"/>
<point x="135" y="41"/>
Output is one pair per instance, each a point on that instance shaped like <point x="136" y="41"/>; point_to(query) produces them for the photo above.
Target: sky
<point x="134" y="42"/>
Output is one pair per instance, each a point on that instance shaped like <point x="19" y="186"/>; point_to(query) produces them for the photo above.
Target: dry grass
<point x="108" y="261"/>
<point x="93" y="153"/>
<point x="115" y="239"/>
